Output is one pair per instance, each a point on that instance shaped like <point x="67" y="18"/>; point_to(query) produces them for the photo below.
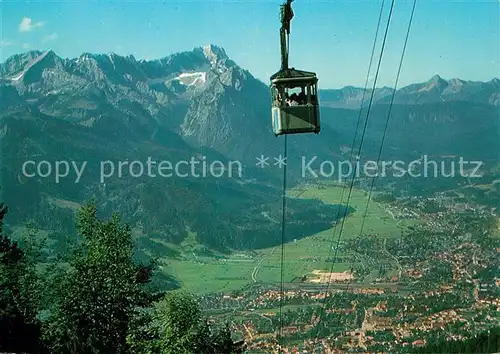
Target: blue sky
<point x="333" y="38"/>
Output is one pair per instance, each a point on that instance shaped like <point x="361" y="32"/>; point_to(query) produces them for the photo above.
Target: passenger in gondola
<point x="287" y="100"/>
<point x="302" y="97"/>
<point x="295" y="99"/>
<point x="276" y="100"/>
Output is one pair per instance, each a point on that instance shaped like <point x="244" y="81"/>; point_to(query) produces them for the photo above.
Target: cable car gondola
<point x="293" y="112"/>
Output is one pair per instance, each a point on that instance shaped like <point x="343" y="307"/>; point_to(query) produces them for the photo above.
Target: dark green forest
<point x="97" y="300"/>
<point x="486" y="342"/>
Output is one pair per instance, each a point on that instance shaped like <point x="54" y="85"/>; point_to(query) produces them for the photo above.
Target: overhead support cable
<point x="385" y="130"/>
<point x="357" y="125"/>
<point x="359" y="152"/>
<point x="283" y="234"/>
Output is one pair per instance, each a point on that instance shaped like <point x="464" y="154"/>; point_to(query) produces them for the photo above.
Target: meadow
<point x="301" y="257"/>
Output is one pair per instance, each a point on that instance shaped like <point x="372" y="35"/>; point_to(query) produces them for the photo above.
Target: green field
<point x="204" y="274"/>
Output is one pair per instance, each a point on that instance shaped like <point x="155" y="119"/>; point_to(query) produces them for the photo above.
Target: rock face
<point x="202" y="95"/>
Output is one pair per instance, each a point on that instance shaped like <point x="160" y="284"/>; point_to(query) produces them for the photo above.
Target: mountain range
<point x="200" y="104"/>
<point x="435" y="90"/>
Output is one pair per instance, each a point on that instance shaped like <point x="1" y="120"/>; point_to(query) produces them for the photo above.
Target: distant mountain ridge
<point x="93" y="88"/>
<point x="201" y="103"/>
<point x="185" y="91"/>
<point x="202" y="96"/>
<point x="126" y="70"/>
<point x="435" y="90"/>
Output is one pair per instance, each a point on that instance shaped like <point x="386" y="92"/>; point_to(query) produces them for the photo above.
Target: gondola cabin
<point x="295" y="107"/>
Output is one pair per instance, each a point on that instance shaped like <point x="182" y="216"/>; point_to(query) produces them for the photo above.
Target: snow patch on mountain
<point x="192" y="79"/>
<point x="18" y="77"/>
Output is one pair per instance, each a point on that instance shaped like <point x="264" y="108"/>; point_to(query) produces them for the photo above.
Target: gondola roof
<point x="294" y="74"/>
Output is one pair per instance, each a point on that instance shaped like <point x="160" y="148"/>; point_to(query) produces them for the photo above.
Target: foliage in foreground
<point x="177" y="327"/>
<point x="19" y="327"/>
<point x="98" y="302"/>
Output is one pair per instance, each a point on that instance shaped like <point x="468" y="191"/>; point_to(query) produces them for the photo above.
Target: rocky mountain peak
<point x="435" y="78"/>
<point x="495" y="82"/>
<point x="434" y="83"/>
<point x="456" y="82"/>
<point x="214" y="53"/>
